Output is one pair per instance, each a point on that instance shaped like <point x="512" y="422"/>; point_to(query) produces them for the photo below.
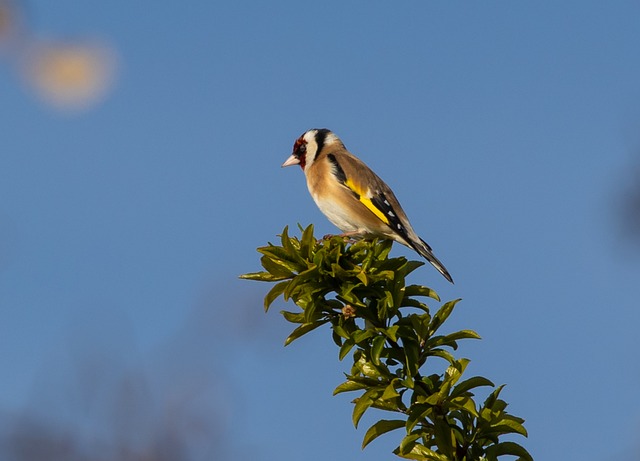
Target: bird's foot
<point x="347" y="236"/>
<point x="353" y="236"/>
<point x="325" y="237"/>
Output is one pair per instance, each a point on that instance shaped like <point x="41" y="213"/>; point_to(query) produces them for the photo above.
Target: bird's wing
<point x="372" y="192"/>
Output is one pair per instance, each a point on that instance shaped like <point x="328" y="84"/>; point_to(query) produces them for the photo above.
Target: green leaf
<point x="420" y="324"/>
<point x="293" y="317"/>
<point x="413" y="265"/>
<point x="366" y="382"/>
<point x="455" y="370"/>
<point x="394" y="405"/>
<point x="508" y="425"/>
<point x="442" y="315"/>
<point x="412" y="355"/>
<point x="392" y="333"/>
<point x="303" y="277"/>
<point x="407" y="443"/>
<point x="362" y="276"/>
<point x="419" y="290"/>
<point x="346" y="348"/>
<point x="274" y="268"/>
<point x="493" y="397"/>
<point x="410" y="302"/>
<point x="288" y="245"/>
<point x="273" y="294"/>
<point x="386" y="275"/>
<point x="508" y="448"/>
<point x="462" y="334"/>
<point x="349" y="386"/>
<point x="368" y="369"/>
<point x="464" y="403"/>
<point x="307" y="242"/>
<point x="390" y="391"/>
<point x="364" y="402"/>
<point x="382" y="249"/>
<point x="291" y="262"/>
<point x="445" y="439"/>
<point x="381" y="427"/>
<point x="261" y="277"/>
<point x="450" y="339"/>
<point x="338" y="272"/>
<point x="417" y="413"/>
<point x="377" y="345"/>
<point x="442" y="354"/>
<point x="409" y="449"/>
<point x="469" y="384"/>
<point x="302" y="330"/>
<point x="340" y="331"/>
<point x="360" y="336"/>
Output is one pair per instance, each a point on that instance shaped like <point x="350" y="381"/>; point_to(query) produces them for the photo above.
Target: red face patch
<point x="300" y="151"/>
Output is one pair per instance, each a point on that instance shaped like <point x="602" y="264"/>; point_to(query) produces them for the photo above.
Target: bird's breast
<point x="339" y="214"/>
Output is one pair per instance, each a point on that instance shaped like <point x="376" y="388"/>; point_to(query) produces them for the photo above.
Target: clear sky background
<point x="510" y="132"/>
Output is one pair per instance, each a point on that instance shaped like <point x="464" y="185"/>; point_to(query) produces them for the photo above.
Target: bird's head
<point x="309" y="145"/>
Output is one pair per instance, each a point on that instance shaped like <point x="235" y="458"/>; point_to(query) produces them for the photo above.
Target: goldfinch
<point x="352" y="196"/>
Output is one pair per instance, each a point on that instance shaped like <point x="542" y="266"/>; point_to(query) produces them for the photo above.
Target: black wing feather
<point x="382" y="204"/>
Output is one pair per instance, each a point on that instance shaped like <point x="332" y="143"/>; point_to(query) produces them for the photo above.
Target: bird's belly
<point x="339" y="216"/>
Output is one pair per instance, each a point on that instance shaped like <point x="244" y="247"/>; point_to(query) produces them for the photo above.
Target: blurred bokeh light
<point x="9" y="21"/>
<point x="73" y="75"/>
<point x="69" y="75"/>
<point x="631" y="205"/>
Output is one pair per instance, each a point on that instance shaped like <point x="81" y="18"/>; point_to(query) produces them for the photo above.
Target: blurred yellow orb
<point x="71" y="75"/>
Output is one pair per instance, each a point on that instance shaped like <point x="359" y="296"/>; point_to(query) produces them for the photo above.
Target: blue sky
<point x="508" y="130"/>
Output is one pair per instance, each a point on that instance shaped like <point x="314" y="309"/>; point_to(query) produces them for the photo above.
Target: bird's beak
<point x="293" y="160"/>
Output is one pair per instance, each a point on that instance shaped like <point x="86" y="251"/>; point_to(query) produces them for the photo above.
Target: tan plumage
<point x="352" y="196"/>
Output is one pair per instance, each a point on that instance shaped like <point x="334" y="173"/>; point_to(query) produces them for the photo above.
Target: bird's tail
<point x="426" y="252"/>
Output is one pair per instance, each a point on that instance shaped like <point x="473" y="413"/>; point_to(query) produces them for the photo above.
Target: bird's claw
<point x="347" y="238"/>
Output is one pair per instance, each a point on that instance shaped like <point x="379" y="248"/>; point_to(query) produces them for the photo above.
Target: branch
<point x="394" y="339"/>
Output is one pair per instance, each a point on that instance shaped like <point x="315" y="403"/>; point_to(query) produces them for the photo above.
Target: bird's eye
<point x="300" y="149"/>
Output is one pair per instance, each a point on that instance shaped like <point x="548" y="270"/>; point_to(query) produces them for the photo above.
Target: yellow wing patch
<point x="366" y="201"/>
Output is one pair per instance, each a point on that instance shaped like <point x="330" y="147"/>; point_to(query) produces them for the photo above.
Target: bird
<point x="352" y="196"/>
